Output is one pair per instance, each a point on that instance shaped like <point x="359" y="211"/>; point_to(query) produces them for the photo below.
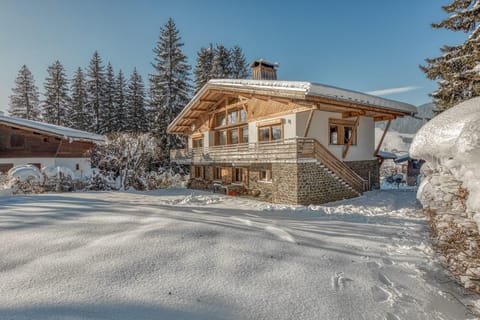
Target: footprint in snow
<point x="392" y="316"/>
<point x="384" y="279"/>
<point x="373" y="265"/>
<point x="387" y="261"/>
<point x="380" y="294"/>
<point x="339" y="281"/>
<point x="280" y="233"/>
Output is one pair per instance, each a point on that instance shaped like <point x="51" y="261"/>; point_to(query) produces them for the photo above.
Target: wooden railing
<point x="328" y="159"/>
<point x="275" y="151"/>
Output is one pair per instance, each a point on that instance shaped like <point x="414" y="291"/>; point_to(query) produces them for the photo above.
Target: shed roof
<point x="47" y="128"/>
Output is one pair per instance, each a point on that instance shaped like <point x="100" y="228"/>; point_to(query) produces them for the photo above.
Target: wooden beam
<point x="207" y="101"/>
<point x="237" y="104"/>
<point x="350" y="114"/>
<point x="350" y="140"/>
<point x="383" y="118"/>
<point x="381" y="139"/>
<point x="309" y="121"/>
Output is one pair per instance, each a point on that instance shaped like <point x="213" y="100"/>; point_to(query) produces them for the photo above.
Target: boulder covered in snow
<point x="450" y="143"/>
<point x="25" y="173"/>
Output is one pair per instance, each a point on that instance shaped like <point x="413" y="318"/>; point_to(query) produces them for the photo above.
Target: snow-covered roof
<point x="62" y="132"/>
<point x="403" y="158"/>
<point x="320" y="90"/>
<point x="386" y="155"/>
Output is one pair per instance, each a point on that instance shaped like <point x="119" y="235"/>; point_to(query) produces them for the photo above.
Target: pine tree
<point x="203" y="68"/>
<point x="56" y="107"/>
<point x="169" y="85"/>
<point x="136" y="113"/>
<point x="96" y="92"/>
<point x="80" y="118"/>
<point x="121" y="102"/>
<point x="24" y="102"/>
<point x="458" y="69"/>
<point x="109" y="120"/>
<point x="239" y="65"/>
<point x="221" y="66"/>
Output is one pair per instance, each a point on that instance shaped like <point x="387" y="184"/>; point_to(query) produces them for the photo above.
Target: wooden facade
<point x="23" y="143"/>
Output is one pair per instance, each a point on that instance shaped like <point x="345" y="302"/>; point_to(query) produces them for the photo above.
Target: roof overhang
<point x="316" y="95"/>
<point x="52" y="130"/>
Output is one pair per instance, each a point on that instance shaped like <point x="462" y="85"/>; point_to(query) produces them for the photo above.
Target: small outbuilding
<point x="41" y="144"/>
<point x="412" y="168"/>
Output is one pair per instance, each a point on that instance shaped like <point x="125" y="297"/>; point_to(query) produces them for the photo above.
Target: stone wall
<point x="284" y="183"/>
<point x="455" y="232"/>
<point x="316" y="185"/>
<point x="292" y="183"/>
<point x="368" y="170"/>
<point x="306" y="183"/>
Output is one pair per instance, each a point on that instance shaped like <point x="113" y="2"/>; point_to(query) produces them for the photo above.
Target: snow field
<point x="183" y="254"/>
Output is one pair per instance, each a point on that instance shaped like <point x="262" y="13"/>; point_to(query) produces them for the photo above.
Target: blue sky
<point x="359" y="45"/>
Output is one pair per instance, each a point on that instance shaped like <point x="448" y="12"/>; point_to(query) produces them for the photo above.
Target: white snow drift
<point x="178" y="254"/>
<point x="450" y="143"/>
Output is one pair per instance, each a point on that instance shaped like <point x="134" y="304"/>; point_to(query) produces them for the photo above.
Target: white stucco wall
<point x="319" y="129"/>
<point x="83" y="171"/>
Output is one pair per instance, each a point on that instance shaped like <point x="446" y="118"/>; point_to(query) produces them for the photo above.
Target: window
<point x="77" y="166"/>
<point x="341" y="131"/>
<point x="265" y="175"/>
<point x="198" y="172"/>
<point x="333" y="134"/>
<point x="270" y="133"/>
<point x="233" y="117"/>
<point x="243" y="115"/>
<point x="218" y="173"/>
<point x="17" y="141"/>
<point x="233" y="136"/>
<point x="244" y="134"/>
<point x="220" y="119"/>
<point x="221" y="137"/>
<point x="224" y="174"/>
<point x="197" y="143"/>
<point x="238" y="175"/>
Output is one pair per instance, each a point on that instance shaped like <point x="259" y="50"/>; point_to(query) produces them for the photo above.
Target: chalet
<point x="41" y="144"/>
<point x="286" y="141"/>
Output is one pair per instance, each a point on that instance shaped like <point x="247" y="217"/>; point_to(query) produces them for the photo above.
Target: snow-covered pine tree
<point x="169" y="86"/>
<point x="239" y="65"/>
<point x="203" y="68"/>
<point x="96" y="92"/>
<point x="56" y="107"/>
<point x="79" y="117"/>
<point x="222" y="65"/>
<point x="136" y="113"/>
<point x="121" y="102"/>
<point x="24" y="102"/>
<point x="458" y="68"/>
<point x="109" y="115"/>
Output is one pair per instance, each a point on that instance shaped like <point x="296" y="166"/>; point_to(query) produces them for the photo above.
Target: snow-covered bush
<point x="25" y="179"/>
<point x="130" y="160"/>
<point x="59" y="178"/>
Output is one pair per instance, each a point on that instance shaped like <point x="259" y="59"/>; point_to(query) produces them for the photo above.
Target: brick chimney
<point x="264" y="70"/>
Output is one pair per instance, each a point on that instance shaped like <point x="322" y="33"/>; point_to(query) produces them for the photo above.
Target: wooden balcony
<point x="289" y="150"/>
<point x="276" y="151"/>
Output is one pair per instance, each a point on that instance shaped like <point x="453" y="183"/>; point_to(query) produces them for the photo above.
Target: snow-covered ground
<point x="182" y="254"/>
